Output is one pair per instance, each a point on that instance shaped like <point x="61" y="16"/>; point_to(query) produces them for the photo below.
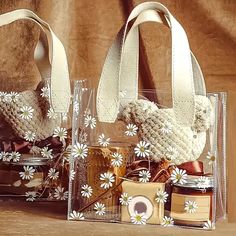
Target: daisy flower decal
<point x="131" y="130"/>
<point x="161" y="196"/>
<point x="61" y="133"/>
<point x="26" y="112"/>
<point x="51" y="114"/>
<point x="179" y="176"/>
<point x="28" y="173"/>
<point x="80" y="150"/>
<point x="14" y="96"/>
<point x="90" y="121"/>
<point x="211" y="158"/>
<point x="103" y="141"/>
<point x="190" y="206"/>
<point x="74" y="215"/>
<point x="3" y="156"/>
<point x="167" y="221"/>
<point x="53" y="174"/>
<point x="125" y="199"/>
<point x="144" y="176"/>
<point x="117" y="159"/>
<point x="47" y="153"/>
<point x="59" y="193"/>
<point x="30" y="196"/>
<point x="138" y="218"/>
<point x="45" y="92"/>
<point x="30" y="136"/>
<point x="86" y="191"/>
<point x="108" y="179"/>
<point x="203" y="182"/>
<point x="100" y="209"/>
<point x="171" y="153"/>
<point x="15" y="156"/>
<point x="142" y="149"/>
<point x="3" y="96"/>
<point x="166" y="128"/>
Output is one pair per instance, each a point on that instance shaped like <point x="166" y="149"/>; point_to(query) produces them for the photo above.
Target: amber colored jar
<point x="191" y="191"/>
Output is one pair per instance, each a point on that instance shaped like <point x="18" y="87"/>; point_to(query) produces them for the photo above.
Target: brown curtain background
<point x="87" y="28"/>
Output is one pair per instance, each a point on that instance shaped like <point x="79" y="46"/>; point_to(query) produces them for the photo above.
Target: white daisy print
<point x="47" y="153"/>
<point x="108" y="179"/>
<point x="171" y="153"/>
<point x="30" y="136"/>
<point x="15" y="156"/>
<point x="61" y="133"/>
<point x="190" y="206"/>
<point x="167" y="221"/>
<point x="59" y="193"/>
<point x="26" y="112"/>
<point x="203" y="182"/>
<point x="53" y="174"/>
<point x="80" y="150"/>
<point x="86" y="191"/>
<point x="161" y="196"/>
<point x="7" y="157"/>
<point x="139" y="218"/>
<point x="4" y="156"/>
<point x="14" y="96"/>
<point x="166" y="128"/>
<point x="103" y="141"/>
<point x="131" y="130"/>
<point x="100" y="209"/>
<point x="8" y="98"/>
<point x="211" y="158"/>
<point x="144" y="176"/>
<point x="3" y="96"/>
<point x="142" y="149"/>
<point x="28" y="172"/>
<point x="45" y="92"/>
<point x="74" y="215"/>
<point x="179" y="176"/>
<point x="116" y="160"/>
<point x="30" y="196"/>
<point x="51" y="114"/>
<point x="125" y="199"/>
<point x="72" y="175"/>
<point x="90" y="121"/>
<point x="208" y="225"/>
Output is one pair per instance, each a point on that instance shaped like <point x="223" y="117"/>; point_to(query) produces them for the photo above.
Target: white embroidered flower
<point x="125" y="199"/>
<point x="61" y="133"/>
<point x="51" y="114"/>
<point x="131" y="130"/>
<point x="14" y="96"/>
<point x="59" y="193"/>
<point x="7" y="157"/>
<point x="167" y="221"/>
<point x="179" y="176"/>
<point x="144" y="176"/>
<point x="76" y="107"/>
<point x="211" y="158"/>
<point x="53" y="174"/>
<point x="72" y="175"/>
<point x="141" y="149"/>
<point x="15" y="156"/>
<point x="139" y="218"/>
<point x="4" y="156"/>
<point x="30" y="136"/>
<point x="3" y="96"/>
<point x="166" y="128"/>
<point x="117" y="159"/>
<point x="47" y="153"/>
<point x="30" y="196"/>
<point x="45" y="92"/>
<point x="100" y="209"/>
<point x="86" y="191"/>
<point x="90" y="121"/>
<point x="26" y="112"/>
<point x="103" y="141"/>
<point x="76" y="216"/>
<point x="108" y="179"/>
<point x="190" y="206"/>
<point x="208" y="225"/>
<point x="161" y="196"/>
<point x="203" y="182"/>
<point x="171" y="153"/>
<point x="28" y="172"/>
<point x="80" y="150"/>
<point x="8" y="98"/>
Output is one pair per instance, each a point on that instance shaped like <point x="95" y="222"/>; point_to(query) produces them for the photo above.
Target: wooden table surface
<point x="43" y="219"/>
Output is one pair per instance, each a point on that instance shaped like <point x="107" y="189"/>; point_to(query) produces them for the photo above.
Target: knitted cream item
<point x="168" y="139"/>
<point x="40" y="123"/>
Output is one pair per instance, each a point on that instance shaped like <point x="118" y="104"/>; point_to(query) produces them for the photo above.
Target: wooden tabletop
<point x="44" y="219"/>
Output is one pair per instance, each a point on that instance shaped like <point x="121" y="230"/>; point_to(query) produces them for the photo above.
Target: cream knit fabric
<point x="168" y="139"/>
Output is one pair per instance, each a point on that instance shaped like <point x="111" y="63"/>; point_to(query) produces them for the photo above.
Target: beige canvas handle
<point x="60" y="93"/>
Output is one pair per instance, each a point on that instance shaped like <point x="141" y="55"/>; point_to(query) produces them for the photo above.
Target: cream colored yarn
<point x="168" y="139"/>
<point x="40" y="124"/>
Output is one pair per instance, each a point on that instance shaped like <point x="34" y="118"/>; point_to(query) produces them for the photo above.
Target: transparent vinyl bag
<point x="111" y="181"/>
